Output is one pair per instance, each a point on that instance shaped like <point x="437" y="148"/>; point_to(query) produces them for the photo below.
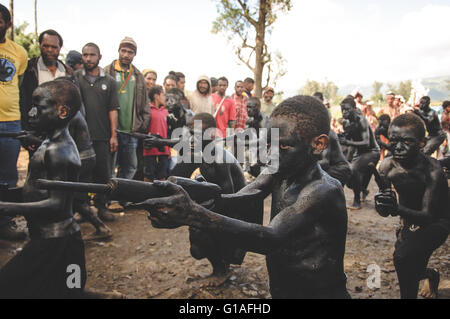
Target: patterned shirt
<point x="13" y="63"/>
<point x="241" y="112"/>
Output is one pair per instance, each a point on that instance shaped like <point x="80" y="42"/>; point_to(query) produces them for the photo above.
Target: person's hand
<point x="172" y="120"/>
<point x="113" y="144"/>
<point x="152" y="142"/>
<point x="342" y="140"/>
<point x="30" y="142"/>
<point x="386" y="203"/>
<point x="168" y="212"/>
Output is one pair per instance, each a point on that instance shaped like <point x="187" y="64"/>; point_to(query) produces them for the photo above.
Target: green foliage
<point x="328" y="88"/>
<point x="403" y="89"/>
<point x="278" y="98"/>
<point x="337" y="100"/>
<point x="246" y="23"/>
<point x="237" y="16"/>
<point x="377" y="87"/>
<point x="391" y="87"/>
<point x="28" y="40"/>
<point x="377" y="96"/>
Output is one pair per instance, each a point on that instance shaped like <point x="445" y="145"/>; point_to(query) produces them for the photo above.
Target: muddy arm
<point x="13" y="195"/>
<point x="179" y="209"/>
<point x="365" y="137"/>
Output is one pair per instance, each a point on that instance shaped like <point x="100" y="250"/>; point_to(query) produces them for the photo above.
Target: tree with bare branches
<point x="247" y="23"/>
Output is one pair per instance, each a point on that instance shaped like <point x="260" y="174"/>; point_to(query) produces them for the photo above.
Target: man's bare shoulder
<point x="62" y="154"/>
<point x="323" y="191"/>
<point x="386" y="165"/>
<point x="436" y="170"/>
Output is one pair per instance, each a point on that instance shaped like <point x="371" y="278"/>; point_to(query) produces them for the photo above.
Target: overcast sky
<point x="346" y="41"/>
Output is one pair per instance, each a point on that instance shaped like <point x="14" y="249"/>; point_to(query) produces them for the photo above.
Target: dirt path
<point x="143" y="262"/>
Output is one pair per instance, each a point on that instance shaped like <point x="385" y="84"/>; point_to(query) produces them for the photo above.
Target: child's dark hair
<point x="349" y="100"/>
<point x="156" y="90"/>
<point x="257" y="102"/>
<point x="178" y="92"/>
<point x="411" y="121"/>
<point x="207" y="119"/>
<point x="318" y="95"/>
<point x="310" y="116"/>
<point x="65" y="92"/>
<point x="384" y="117"/>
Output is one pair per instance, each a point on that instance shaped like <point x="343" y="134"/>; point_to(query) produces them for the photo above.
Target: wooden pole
<point x="35" y="19"/>
<point x="11" y="9"/>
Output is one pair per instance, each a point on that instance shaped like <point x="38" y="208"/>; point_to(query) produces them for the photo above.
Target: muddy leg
<point x="431" y="284"/>
<point x="101" y="230"/>
<point x="356" y="186"/>
<point x="221" y="273"/>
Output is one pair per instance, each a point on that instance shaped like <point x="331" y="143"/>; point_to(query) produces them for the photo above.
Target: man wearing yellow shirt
<point x="13" y="62"/>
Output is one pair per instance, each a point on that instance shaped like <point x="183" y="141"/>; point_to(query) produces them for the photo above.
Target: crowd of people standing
<point x="118" y="100"/>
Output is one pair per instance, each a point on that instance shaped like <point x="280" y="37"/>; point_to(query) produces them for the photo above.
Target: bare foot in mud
<point x="215" y="279"/>
<point x="94" y="294"/>
<point x="221" y="273"/>
<point x="430" y="285"/>
<point x="103" y="233"/>
<point x="364" y="195"/>
<point x="355" y="206"/>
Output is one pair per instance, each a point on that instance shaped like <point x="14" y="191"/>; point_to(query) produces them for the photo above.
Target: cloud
<point x="327" y="40"/>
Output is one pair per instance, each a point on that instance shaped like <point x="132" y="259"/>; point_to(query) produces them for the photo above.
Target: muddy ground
<point x="143" y="262"/>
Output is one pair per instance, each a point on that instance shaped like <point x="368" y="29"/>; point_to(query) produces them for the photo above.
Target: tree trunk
<point x="35" y="19"/>
<point x="11" y="9"/>
<point x="259" y="52"/>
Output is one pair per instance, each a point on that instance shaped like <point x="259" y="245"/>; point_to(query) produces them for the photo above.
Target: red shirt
<point x="226" y="113"/>
<point x="158" y="125"/>
<point x="241" y="112"/>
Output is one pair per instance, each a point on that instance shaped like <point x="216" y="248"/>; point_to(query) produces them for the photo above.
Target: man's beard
<point x="3" y="33"/>
<point x="125" y="62"/>
<point x="91" y="68"/>
<point x="50" y="61"/>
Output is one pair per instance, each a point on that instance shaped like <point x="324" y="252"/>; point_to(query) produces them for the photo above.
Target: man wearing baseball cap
<point x="267" y="104"/>
<point x="134" y="113"/>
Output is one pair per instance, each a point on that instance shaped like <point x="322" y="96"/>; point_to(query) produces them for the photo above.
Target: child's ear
<point x="319" y="144"/>
<point x="63" y="112"/>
